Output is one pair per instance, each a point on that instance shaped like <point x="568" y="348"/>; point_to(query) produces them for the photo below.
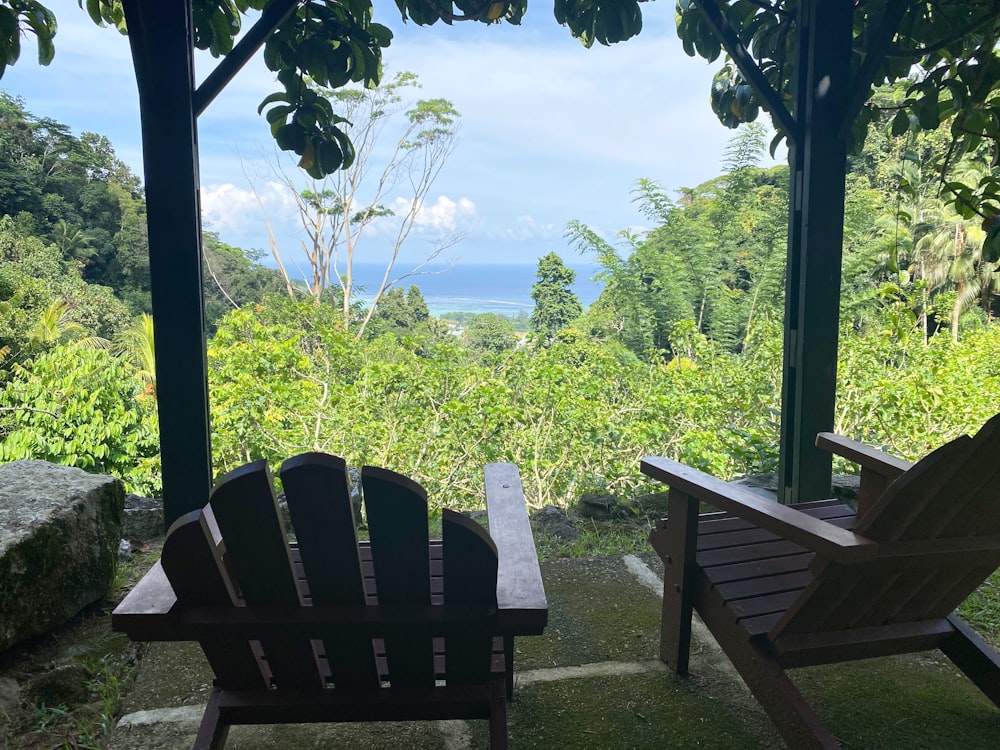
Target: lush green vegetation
<point x="680" y="356"/>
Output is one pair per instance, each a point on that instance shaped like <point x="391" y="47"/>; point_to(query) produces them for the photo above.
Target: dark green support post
<point x="818" y="162"/>
<point x="161" y="38"/>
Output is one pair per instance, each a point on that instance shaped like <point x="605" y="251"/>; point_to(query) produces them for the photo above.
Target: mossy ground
<point x="598" y="614"/>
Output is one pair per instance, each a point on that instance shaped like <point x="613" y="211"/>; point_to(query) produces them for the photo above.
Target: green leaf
<point x="900" y="123"/>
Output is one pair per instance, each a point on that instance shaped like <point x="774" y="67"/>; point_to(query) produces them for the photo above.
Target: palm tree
<point x="949" y="251"/>
<point x="55" y="327"/>
<point x="135" y="345"/>
<point x="977" y="279"/>
<point x="72" y="241"/>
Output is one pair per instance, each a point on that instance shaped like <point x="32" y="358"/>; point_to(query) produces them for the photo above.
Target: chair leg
<point x="975" y="658"/>
<point x="508" y="660"/>
<point x="792" y="716"/>
<point x="675" y="540"/>
<point x="213" y="731"/>
<point x="498" y="714"/>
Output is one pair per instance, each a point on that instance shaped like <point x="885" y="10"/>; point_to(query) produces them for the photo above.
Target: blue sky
<point x="550" y="131"/>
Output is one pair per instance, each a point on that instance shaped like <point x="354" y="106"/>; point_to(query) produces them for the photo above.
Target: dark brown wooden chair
<point x="791" y="586"/>
<point x="327" y="628"/>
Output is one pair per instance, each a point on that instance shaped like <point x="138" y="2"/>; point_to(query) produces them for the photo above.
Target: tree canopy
<point x="941" y="53"/>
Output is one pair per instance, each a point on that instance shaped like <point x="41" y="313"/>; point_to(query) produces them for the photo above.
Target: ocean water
<point x="497" y="287"/>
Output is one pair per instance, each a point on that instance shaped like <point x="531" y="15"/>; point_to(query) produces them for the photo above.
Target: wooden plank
<point x="763" y="605"/>
<point x="868" y="590"/>
<point x="861" y="643"/>
<point x="396" y="508"/>
<point x="812" y="533"/>
<point x="470" y="577"/>
<point x="319" y="504"/>
<point x="247" y="515"/>
<point x="759" y="625"/>
<point x="906" y="585"/>
<point x="944" y="590"/>
<point x="712" y="523"/>
<point x="975" y="495"/>
<point x="679" y="575"/>
<point x="192" y="564"/>
<point x="520" y="593"/>
<point x="745" y="553"/>
<point x="771" y="585"/>
<point x="865" y="456"/>
<point x="756" y="535"/>
<point x="974" y="657"/>
<point x="390" y="704"/>
<point x="757" y="569"/>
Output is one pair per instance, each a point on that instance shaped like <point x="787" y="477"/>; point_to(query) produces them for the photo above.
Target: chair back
<point x="938" y="525"/>
<point x="326" y="611"/>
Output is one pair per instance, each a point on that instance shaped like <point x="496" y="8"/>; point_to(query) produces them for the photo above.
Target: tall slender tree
<point x="555" y="303"/>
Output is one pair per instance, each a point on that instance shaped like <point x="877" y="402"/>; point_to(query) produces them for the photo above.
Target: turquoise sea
<point x="499" y="288"/>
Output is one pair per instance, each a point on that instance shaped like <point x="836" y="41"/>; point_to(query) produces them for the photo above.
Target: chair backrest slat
<point x="396" y="510"/>
<point x="257" y="552"/>
<point x="319" y="504"/>
<point x="914" y="492"/>
<point x="470" y="577"/>
<point x="945" y="494"/>
<point x="193" y="564"/>
<point x="236" y="552"/>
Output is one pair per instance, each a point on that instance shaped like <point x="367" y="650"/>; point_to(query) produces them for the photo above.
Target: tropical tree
<point x="556" y="306"/>
<point x="81" y="407"/>
<point x="136" y="347"/>
<point x="72" y="241"/>
<point x="943" y="53"/>
<point x="54" y="326"/>
<point x="489" y="333"/>
<point x="338" y="210"/>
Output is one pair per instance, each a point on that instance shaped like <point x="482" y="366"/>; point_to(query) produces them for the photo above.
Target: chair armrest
<point x="147" y="609"/>
<point x="814" y="534"/>
<point x="520" y="595"/>
<point x="878" y="468"/>
<point x="882" y="463"/>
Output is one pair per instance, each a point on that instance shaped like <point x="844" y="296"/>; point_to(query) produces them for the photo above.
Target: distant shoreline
<point x="502" y="288"/>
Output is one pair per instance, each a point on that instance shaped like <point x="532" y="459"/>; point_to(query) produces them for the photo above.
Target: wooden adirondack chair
<point x="791" y="586"/>
<point x="331" y="629"/>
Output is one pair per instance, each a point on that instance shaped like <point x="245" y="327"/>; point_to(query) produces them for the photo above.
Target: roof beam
<point x="232" y="63"/>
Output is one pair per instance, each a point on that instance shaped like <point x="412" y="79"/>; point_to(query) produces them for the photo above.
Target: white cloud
<point x="228" y="208"/>
<point x="444" y="216"/>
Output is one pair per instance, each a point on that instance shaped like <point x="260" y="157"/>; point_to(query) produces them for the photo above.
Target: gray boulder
<point x="143" y="518"/>
<point x="59" y="534"/>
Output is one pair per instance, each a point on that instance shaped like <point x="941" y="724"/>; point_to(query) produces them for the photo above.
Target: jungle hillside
<point x="680" y="356"/>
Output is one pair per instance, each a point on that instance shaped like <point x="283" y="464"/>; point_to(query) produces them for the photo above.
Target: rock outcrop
<point x="59" y="534"/>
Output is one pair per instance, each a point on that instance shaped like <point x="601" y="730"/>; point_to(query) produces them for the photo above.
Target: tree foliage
<point x="400" y="144"/>
<point x="556" y="306"/>
<point x="81" y="407"/>
<point x="681" y="356"/>
<point x="941" y="52"/>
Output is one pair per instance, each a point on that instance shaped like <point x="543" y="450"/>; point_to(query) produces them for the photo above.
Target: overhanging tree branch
<point x="770" y="98"/>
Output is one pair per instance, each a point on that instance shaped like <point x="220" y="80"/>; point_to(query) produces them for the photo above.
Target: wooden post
<point x="818" y="163"/>
<point x="160" y="35"/>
